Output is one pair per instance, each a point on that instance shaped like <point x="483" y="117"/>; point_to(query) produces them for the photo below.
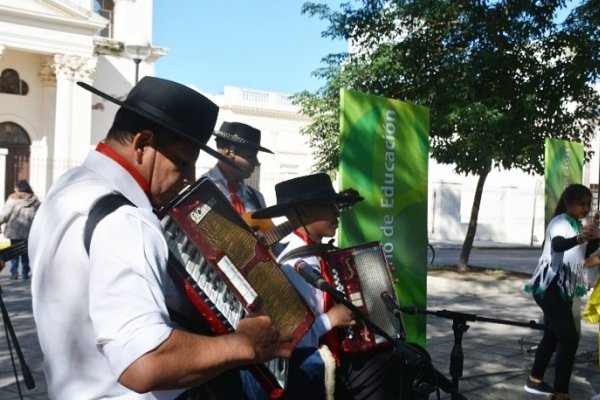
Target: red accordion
<point x="227" y="273"/>
<point x="363" y="274"/>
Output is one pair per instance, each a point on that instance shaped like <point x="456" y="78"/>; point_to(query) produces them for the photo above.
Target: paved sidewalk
<point x="496" y="356"/>
<point x="17" y="299"/>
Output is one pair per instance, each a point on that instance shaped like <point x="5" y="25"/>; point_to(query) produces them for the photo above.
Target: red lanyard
<point x="235" y="200"/>
<point x="331" y="339"/>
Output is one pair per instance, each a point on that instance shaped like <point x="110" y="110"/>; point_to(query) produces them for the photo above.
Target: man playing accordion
<point x="319" y="371"/>
<point x="103" y="311"/>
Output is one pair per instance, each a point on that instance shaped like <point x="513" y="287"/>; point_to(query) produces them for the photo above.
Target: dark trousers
<point x="14" y="270"/>
<point x="376" y="375"/>
<point x="560" y="335"/>
<point x="380" y="375"/>
<point x="304" y="381"/>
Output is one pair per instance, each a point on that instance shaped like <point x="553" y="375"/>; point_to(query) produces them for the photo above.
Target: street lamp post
<point x="138" y="51"/>
<point x="137" y="62"/>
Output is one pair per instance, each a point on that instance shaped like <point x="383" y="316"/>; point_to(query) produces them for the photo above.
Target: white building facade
<point x="46" y="46"/>
<point x="48" y="123"/>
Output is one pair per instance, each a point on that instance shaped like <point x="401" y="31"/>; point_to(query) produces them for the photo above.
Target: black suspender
<point x="100" y="209"/>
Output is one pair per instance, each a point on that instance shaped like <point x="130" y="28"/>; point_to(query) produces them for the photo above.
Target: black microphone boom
<point x="315" y="279"/>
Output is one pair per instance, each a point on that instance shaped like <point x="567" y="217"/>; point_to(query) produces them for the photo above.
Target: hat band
<point x="235" y="138"/>
<point x="158" y="115"/>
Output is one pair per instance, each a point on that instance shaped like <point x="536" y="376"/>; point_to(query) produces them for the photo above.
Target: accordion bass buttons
<point x="335" y="276"/>
<point x="366" y="334"/>
<point x="356" y="299"/>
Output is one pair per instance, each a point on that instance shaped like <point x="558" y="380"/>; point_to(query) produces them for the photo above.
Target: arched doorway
<point x="14" y="138"/>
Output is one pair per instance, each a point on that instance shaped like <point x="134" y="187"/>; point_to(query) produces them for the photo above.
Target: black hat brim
<point x="280" y="210"/>
<point x="154" y="115"/>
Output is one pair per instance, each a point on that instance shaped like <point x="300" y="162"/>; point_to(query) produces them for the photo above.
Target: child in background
<point x="311" y="203"/>
<point x="558" y="278"/>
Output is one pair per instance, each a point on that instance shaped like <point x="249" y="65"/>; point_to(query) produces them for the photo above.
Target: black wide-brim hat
<point x="305" y="189"/>
<point x="177" y="108"/>
<point x="243" y="134"/>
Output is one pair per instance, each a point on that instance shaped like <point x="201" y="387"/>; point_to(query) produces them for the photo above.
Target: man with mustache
<point x="103" y="308"/>
<point x="240" y="143"/>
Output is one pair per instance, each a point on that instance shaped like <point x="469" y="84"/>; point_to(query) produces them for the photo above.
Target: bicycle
<point x="430" y="254"/>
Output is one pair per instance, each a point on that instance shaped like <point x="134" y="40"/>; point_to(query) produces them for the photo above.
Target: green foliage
<point x="498" y="76"/>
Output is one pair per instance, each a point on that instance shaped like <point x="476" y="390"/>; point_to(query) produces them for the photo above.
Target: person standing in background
<point x="17" y="214"/>
<point x="559" y="277"/>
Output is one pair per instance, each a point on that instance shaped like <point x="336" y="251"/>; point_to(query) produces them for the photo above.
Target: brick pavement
<point x="496" y="356"/>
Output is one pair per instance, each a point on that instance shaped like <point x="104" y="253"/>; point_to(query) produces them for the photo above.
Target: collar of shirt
<point x="305" y="238"/>
<point x="110" y="153"/>
<point x="237" y="184"/>
<point x="122" y="180"/>
<point x="218" y="178"/>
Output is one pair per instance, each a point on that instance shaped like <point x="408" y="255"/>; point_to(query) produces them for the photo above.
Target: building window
<point x="13" y="134"/>
<point x="105" y="8"/>
<point x="11" y="83"/>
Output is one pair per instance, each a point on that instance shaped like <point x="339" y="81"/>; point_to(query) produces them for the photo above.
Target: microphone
<point x="390" y="304"/>
<point x="312" y="276"/>
<point x="395" y="309"/>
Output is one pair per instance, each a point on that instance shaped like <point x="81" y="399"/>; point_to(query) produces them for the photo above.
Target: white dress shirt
<point x="253" y="199"/>
<point x="97" y="314"/>
<point x="313" y="297"/>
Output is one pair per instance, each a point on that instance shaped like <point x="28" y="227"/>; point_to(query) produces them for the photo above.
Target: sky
<point x="254" y="44"/>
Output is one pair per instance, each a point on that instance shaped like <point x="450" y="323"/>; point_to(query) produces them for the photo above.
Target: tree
<point x="498" y="76"/>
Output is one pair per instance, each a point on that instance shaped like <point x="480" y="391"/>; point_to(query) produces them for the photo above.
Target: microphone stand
<point x="400" y="348"/>
<point x="459" y="327"/>
<point x="10" y="335"/>
<point x="7" y="254"/>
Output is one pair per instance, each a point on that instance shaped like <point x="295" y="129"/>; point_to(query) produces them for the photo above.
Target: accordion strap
<point x="307" y="250"/>
<point x="13" y="251"/>
<point x="101" y="208"/>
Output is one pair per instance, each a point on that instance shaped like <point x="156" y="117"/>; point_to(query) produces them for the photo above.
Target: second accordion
<point x="362" y="273"/>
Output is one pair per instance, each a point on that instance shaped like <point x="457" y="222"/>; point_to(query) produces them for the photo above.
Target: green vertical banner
<point x="384" y="155"/>
<point x="563" y="165"/>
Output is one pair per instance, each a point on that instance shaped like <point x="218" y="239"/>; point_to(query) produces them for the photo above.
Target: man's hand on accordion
<point x="263" y="338"/>
<point x="339" y="316"/>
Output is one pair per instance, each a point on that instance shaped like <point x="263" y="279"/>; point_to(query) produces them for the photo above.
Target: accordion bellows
<point x="278" y="297"/>
<point x="227" y="273"/>
<point x="362" y="273"/>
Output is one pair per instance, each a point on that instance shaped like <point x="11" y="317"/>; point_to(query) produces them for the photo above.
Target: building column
<point x="3" y="155"/>
<point x="41" y="171"/>
<point x="73" y="113"/>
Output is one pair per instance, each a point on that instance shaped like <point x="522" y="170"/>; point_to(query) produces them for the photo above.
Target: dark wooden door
<point x="16" y="140"/>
